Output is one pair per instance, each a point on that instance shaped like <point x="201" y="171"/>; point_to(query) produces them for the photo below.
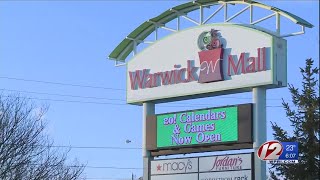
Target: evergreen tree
<point x="304" y="118"/>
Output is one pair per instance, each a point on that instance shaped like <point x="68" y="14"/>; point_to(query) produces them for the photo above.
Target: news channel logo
<point x="276" y="152"/>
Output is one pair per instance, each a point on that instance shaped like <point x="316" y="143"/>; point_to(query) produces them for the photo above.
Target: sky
<point x="55" y="52"/>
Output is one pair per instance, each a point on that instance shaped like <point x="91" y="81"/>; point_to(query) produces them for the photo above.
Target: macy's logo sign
<point x="175" y="166"/>
<point x="211" y="70"/>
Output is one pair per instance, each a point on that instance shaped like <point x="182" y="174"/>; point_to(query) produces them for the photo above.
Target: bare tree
<point x="26" y="152"/>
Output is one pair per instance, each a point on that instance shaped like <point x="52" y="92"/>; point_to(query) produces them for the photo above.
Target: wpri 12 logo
<point x="276" y="152"/>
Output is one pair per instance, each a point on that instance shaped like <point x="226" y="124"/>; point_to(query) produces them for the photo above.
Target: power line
<point x="102" y="98"/>
<point x="118" y="104"/>
<point x="70" y="101"/>
<point x="80" y="147"/>
<point x="60" y="83"/>
<point x="63" y="95"/>
<point x="88" y="97"/>
<point x="96" y="147"/>
<point x="96" y="167"/>
<point x="109" y="167"/>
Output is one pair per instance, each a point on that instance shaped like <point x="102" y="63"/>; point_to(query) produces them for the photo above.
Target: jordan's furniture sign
<point x="214" y="59"/>
<point x="203" y="127"/>
<point x="236" y="166"/>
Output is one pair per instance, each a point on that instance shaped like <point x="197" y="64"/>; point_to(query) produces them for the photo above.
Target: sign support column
<point x="259" y="129"/>
<point x="148" y="109"/>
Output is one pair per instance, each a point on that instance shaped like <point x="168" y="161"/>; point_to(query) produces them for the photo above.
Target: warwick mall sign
<point x="210" y="70"/>
<point x="215" y="59"/>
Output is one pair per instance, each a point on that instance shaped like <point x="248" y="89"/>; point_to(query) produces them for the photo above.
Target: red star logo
<point x="158" y="167"/>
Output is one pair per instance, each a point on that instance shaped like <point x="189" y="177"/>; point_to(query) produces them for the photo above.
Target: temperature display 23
<point x="290" y="151"/>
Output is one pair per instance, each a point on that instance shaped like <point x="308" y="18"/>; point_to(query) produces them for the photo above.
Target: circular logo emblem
<point x="270" y="150"/>
<point x="204" y="40"/>
<point x="209" y="40"/>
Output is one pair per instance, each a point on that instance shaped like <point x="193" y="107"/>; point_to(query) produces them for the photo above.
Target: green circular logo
<point x="206" y="40"/>
<point x="203" y="40"/>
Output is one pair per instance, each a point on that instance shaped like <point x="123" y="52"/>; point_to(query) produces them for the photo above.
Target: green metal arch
<point x="121" y="52"/>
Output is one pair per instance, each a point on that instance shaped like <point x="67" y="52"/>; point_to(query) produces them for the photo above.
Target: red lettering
<point x="251" y="65"/>
<point x="142" y="79"/>
<point x="156" y="79"/>
<point x="176" y="76"/>
<point x="234" y="67"/>
<point x="167" y="77"/>
<point x="262" y="57"/>
<point x="149" y="82"/>
<point x="191" y="71"/>
<point x="182" y="75"/>
<point x="136" y="79"/>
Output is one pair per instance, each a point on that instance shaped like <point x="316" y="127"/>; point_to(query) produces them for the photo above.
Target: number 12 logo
<point x="270" y="150"/>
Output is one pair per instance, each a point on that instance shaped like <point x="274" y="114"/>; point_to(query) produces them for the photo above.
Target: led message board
<point x="197" y="127"/>
<point x="210" y="128"/>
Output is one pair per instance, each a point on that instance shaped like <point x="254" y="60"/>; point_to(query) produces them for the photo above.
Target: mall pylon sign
<point x="207" y="60"/>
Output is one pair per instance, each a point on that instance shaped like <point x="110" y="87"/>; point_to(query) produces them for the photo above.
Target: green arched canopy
<point x="121" y="52"/>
